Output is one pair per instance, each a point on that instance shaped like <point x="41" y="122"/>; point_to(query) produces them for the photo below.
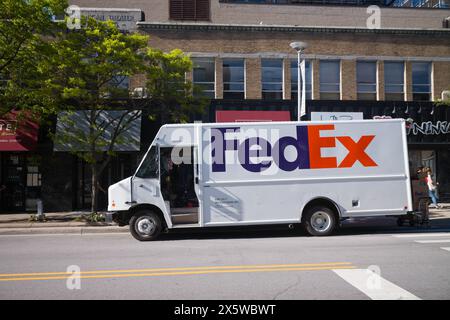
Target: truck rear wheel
<point x="145" y="225"/>
<point x="319" y="221"/>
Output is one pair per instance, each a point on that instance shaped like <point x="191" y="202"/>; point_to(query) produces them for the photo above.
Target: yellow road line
<point x="180" y="269"/>
<point x="156" y="274"/>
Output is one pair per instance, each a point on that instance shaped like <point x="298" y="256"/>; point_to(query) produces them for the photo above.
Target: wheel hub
<point x="146" y="226"/>
<point x="320" y="221"/>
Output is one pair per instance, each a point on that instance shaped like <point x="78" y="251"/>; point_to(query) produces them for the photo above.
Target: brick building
<point x="381" y="61"/>
<point x="378" y="61"/>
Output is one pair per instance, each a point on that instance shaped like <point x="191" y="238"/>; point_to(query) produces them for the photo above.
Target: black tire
<point x="325" y="226"/>
<point x="145" y="225"/>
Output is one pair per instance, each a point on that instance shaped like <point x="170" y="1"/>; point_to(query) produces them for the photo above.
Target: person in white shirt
<point x="432" y="188"/>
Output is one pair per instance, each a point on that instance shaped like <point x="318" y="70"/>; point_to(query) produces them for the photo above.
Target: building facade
<point x="364" y="57"/>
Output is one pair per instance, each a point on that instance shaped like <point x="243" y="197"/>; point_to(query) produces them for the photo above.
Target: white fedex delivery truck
<point x="232" y="174"/>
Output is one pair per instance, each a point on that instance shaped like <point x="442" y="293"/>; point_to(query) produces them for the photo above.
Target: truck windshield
<point x="150" y="166"/>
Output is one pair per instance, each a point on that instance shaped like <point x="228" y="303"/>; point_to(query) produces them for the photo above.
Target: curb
<point x="64" y="230"/>
<point x="73" y="224"/>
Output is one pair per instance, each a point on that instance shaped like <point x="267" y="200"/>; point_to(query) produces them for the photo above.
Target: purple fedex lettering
<point x="307" y="144"/>
<point x="246" y="153"/>
<point x="220" y="145"/>
<point x="302" y="149"/>
<point x="251" y="149"/>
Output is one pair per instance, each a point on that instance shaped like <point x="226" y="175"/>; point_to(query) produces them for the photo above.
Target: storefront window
<point x="330" y="80"/>
<point x="204" y="75"/>
<point x="20" y="183"/>
<point x="294" y="79"/>
<point x="366" y="78"/>
<point x="394" y="74"/>
<point x="272" y="79"/>
<point x="421" y="81"/>
<point x="233" y="79"/>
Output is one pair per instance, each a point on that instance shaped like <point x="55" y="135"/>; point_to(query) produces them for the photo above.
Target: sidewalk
<point x="56" y="222"/>
<point x="72" y="223"/>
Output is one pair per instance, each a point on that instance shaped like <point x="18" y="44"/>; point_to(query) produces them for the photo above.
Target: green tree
<point x="171" y="96"/>
<point x="87" y="64"/>
<point x="25" y="26"/>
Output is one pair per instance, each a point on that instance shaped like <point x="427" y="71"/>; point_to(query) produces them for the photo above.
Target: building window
<point x="233" y="78"/>
<point x="272" y="79"/>
<point x="421" y="81"/>
<point x="394" y="83"/>
<point x="203" y="75"/>
<point x="366" y="79"/>
<point x="330" y="80"/>
<point x="294" y="79"/>
<point x="195" y="10"/>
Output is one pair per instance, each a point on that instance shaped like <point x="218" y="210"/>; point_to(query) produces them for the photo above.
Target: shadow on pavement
<point x="362" y="226"/>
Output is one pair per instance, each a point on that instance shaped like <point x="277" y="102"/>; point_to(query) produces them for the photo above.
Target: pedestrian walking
<point x="432" y="188"/>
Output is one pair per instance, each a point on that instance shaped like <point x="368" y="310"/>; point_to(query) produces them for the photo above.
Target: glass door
<point x="13" y="184"/>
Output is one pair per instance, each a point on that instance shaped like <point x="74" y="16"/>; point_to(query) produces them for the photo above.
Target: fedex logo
<point x="257" y="154"/>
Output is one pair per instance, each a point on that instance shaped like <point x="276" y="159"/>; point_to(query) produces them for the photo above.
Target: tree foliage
<point x="87" y="64"/>
<point x="52" y="70"/>
<point x="171" y="96"/>
<point x="25" y="26"/>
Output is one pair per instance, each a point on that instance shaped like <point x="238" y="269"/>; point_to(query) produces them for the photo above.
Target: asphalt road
<point x="362" y="262"/>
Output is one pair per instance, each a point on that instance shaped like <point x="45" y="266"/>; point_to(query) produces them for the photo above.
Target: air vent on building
<point x="195" y="10"/>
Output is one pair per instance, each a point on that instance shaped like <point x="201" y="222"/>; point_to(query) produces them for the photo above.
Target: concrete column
<point x="348" y="80"/>
<point x="440" y="78"/>
<point x="408" y="81"/>
<point x="380" y="81"/>
<point x="287" y="79"/>
<point x="253" y="78"/>
<point x="315" y="73"/>
<point x="218" y="83"/>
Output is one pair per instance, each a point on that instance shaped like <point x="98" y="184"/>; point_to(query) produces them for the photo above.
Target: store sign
<point x="17" y="135"/>
<point x="425" y="128"/>
<point x="336" y="116"/>
<point x="124" y="18"/>
<point x="8" y="128"/>
<point x="428" y="128"/>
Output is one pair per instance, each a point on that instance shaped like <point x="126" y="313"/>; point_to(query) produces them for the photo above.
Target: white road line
<point x="445" y="248"/>
<point x="419" y="235"/>
<point x="433" y="241"/>
<point x="373" y="285"/>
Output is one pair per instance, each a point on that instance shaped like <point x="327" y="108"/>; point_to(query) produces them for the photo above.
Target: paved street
<point x="251" y="264"/>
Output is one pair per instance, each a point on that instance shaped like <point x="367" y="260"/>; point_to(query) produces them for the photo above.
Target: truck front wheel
<point x="145" y="225"/>
<point x="319" y="221"/>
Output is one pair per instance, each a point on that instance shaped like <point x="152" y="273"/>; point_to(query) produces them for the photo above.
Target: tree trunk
<point x="94" y="189"/>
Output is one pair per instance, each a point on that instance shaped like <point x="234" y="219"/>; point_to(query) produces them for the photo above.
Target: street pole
<point x="301" y="86"/>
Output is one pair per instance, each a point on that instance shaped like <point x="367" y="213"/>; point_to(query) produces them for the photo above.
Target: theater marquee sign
<point x="124" y="18"/>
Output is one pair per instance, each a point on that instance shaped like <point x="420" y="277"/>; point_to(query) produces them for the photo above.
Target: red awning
<point x="18" y="134"/>
<point x="251" y="116"/>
